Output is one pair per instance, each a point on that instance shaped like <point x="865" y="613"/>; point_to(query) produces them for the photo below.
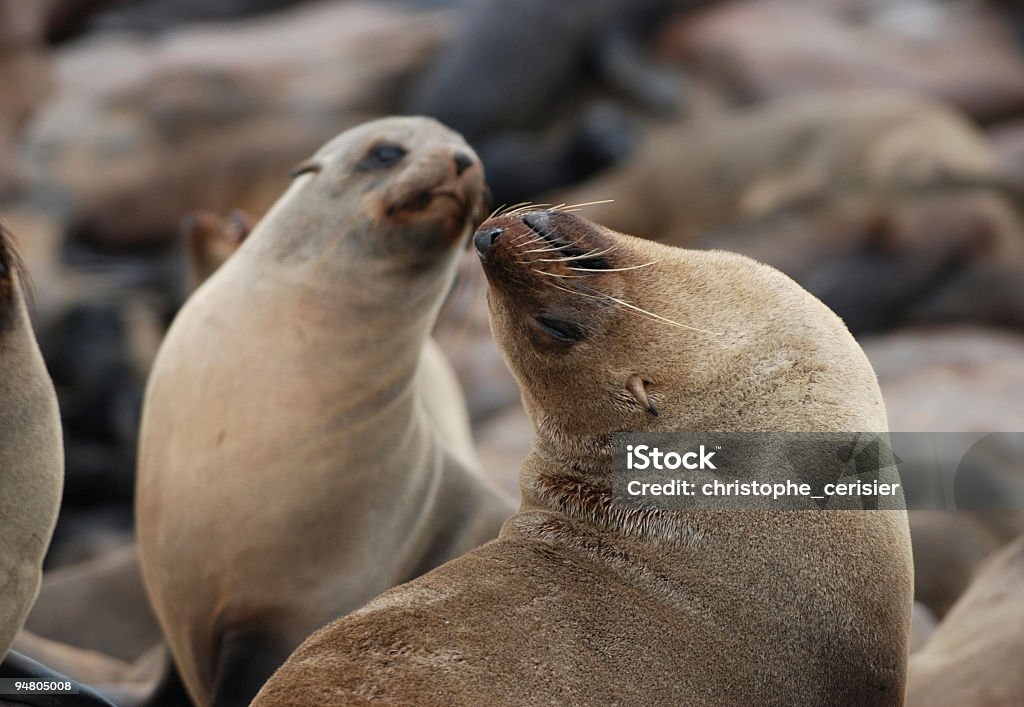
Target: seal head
<point x="655" y="339"/>
<point x="420" y="190"/>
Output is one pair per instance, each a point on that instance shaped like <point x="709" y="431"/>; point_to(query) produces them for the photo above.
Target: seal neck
<point x="576" y="483"/>
<point x="358" y="340"/>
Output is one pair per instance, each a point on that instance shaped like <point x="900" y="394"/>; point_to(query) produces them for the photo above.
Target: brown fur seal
<point x="581" y="602"/>
<point x="304" y="444"/>
<point x="973" y="658"/>
<point x="887" y="206"/>
<point x="31" y="451"/>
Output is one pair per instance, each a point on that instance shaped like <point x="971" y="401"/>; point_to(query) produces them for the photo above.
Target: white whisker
<point x="526" y="208"/>
<point x="549" y="249"/>
<point x="552" y="274"/>
<point x="657" y="317"/>
<point x="631" y="267"/>
<point x="631" y="307"/>
<point x="583" y="205"/>
<point x="585" y="256"/>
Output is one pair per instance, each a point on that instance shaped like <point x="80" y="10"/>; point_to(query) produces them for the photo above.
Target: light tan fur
<point x="300" y="450"/>
<point x="583" y="602"/>
<point x="974" y="656"/>
<point x="31" y="452"/>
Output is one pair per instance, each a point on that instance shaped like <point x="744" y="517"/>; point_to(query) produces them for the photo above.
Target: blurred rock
<point x="141" y="132"/>
<point x="26" y="78"/>
<point x="886" y="205"/>
<point x="66" y="19"/>
<point x="955" y="379"/>
<point x="957" y="51"/>
<point x="162" y="15"/>
<point x="1008" y="143"/>
<point x="521" y="79"/>
<point x="951" y="379"/>
<point x="84" y="534"/>
<point x="949" y="546"/>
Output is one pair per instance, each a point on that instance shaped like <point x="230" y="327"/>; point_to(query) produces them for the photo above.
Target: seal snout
<point x="485" y="238"/>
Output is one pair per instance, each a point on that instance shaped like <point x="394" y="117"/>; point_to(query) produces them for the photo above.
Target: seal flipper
<point x="247" y="660"/>
<point x="16" y="665"/>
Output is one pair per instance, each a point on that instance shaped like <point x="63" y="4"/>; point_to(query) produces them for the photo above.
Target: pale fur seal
<point x="973" y="658"/>
<point x="581" y="602"/>
<point x="31" y="451"/>
<point x="304" y="444"/>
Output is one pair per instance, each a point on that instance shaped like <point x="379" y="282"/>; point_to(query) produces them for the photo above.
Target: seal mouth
<point x="421" y="200"/>
<point x="448" y="194"/>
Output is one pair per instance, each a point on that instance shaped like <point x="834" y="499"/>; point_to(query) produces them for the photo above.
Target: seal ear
<point x="637" y="387"/>
<point x="310" y="165"/>
<point x="240" y="224"/>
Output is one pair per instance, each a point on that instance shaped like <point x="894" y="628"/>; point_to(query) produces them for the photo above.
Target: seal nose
<point x="462" y="162"/>
<point x="484" y="239"/>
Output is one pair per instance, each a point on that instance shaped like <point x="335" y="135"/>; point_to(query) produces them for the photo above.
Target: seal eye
<point x="559" y="330"/>
<point x="382" y="156"/>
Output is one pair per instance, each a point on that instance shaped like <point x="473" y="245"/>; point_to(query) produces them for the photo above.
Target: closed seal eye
<point x="560" y="330"/>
